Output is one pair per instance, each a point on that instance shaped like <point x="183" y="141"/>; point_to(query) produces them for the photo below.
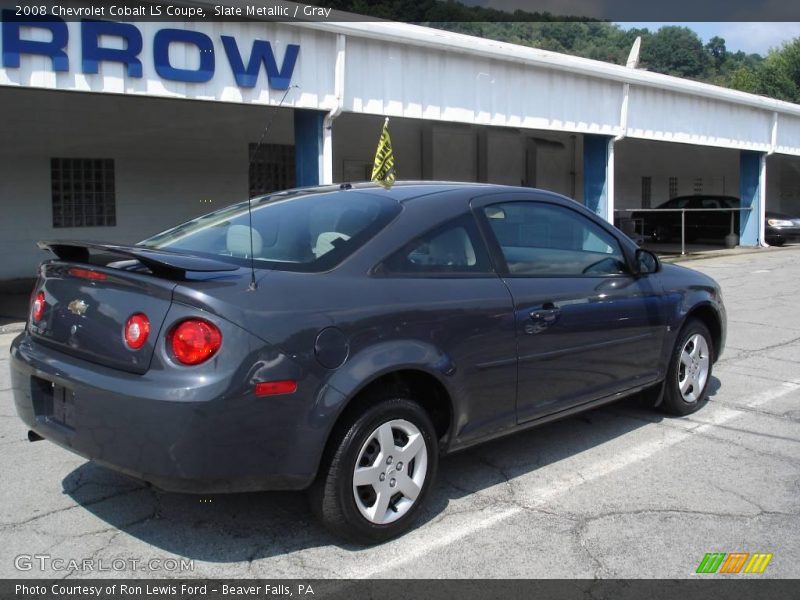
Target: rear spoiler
<point x="162" y="263"/>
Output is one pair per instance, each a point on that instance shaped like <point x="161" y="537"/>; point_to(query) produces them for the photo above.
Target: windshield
<point x="295" y="230"/>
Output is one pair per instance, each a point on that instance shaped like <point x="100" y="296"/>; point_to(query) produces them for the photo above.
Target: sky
<point x="741" y="34"/>
<point x="747" y="37"/>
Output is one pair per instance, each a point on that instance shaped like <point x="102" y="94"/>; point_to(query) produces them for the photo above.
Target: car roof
<point x="404" y="191"/>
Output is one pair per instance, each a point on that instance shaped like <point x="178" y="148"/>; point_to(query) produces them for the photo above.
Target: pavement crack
<point x="750" y="409"/>
<point x="749" y="353"/>
<point x="709" y="436"/>
<point x="579" y="532"/>
<point x="13" y="525"/>
<point x="724" y="490"/>
<point x="687" y="511"/>
<point x="782" y="438"/>
<point x="506" y="478"/>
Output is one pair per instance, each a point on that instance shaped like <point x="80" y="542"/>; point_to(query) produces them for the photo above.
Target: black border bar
<point x="420" y="11"/>
<point x="705" y="587"/>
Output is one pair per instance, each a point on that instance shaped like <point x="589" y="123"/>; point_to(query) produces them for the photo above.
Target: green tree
<point x="777" y="76"/>
<point x="745" y="79"/>
<point x="716" y="48"/>
<point x="675" y="51"/>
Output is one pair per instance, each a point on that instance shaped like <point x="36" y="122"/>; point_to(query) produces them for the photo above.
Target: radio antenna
<point x="253" y="286"/>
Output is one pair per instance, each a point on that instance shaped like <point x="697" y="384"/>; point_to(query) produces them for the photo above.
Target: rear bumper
<point x="210" y="439"/>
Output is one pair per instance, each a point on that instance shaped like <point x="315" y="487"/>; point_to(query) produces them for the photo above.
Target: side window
<point x="453" y="248"/>
<point x="547" y="240"/>
<point x="676" y="203"/>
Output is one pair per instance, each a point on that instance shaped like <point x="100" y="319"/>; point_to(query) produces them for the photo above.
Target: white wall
<point x="717" y="167"/>
<point x="414" y="72"/>
<point x="457" y="152"/>
<point x="505" y="156"/>
<point x="783" y="184"/>
<point x="313" y="73"/>
<point x="659" y="114"/>
<point x="413" y="81"/>
<point x="177" y="159"/>
<point x="173" y="160"/>
<point x="452" y="152"/>
<point x="633" y="159"/>
<point x="355" y="139"/>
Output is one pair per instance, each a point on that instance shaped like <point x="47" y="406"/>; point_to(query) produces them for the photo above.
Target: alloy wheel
<point x="695" y="364"/>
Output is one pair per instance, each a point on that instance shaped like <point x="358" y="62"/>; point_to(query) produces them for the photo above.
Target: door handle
<point x="548" y="313"/>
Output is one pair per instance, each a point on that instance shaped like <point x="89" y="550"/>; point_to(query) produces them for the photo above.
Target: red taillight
<point x="195" y="341"/>
<point x="137" y="330"/>
<point x="39" y="304"/>
<point x="275" y="388"/>
<point x="87" y="274"/>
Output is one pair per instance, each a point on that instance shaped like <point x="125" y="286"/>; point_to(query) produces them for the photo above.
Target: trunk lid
<point x="87" y="308"/>
<point x="89" y="297"/>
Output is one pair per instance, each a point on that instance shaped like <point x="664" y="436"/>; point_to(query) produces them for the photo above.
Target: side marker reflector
<point x="276" y="388"/>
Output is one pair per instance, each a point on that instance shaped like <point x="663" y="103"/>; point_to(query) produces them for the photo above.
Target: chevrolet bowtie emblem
<point x="77" y="307"/>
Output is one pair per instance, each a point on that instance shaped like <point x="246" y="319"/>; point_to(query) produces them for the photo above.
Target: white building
<point x="115" y="131"/>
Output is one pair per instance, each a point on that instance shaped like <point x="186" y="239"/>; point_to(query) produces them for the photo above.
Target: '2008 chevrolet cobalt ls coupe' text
<point x="341" y="339"/>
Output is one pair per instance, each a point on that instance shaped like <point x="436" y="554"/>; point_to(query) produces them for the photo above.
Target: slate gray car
<point x="341" y="339"/>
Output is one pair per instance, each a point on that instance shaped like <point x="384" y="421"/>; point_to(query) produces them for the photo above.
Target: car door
<point x="444" y="291"/>
<point x="663" y="224"/>
<point x="586" y="327"/>
<point x="712" y="225"/>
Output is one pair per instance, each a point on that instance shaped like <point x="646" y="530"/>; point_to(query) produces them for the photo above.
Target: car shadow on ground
<point x="230" y="528"/>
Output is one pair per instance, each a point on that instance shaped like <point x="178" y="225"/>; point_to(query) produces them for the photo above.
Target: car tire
<point x="382" y="507"/>
<point x="689" y="372"/>
<point x="662" y="234"/>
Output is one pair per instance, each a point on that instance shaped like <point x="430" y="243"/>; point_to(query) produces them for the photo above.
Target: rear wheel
<point x="378" y="471"/>
<point x="662" y="234"/>
<point x="689" y="370"/>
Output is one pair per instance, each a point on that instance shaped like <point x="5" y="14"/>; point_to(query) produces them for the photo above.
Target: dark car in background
<point x="341" y="339"/>
<point x="665" y="227"/>
<point x="781" y="229"/>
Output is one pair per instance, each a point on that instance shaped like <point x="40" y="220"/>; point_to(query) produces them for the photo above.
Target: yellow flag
<point x="383" y="170"/>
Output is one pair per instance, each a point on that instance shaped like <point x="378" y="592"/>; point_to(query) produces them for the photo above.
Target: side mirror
<point x="646" y="262"/>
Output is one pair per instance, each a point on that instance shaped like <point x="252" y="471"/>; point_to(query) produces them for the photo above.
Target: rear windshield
<point x="293" y="231"/>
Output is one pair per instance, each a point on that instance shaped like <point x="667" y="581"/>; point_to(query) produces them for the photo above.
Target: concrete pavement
<point x="617" y="492"/>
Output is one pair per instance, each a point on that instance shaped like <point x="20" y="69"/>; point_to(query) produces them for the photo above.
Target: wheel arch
<point x="412" y="382"/>
<point x="423" y="381"/>
<point x="709" y="316"/>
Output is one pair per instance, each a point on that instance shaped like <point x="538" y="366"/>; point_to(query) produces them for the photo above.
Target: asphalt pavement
<point x="618" y="492"/>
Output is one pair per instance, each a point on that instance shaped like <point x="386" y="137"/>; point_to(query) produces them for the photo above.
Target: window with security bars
<point x="83" y="192"/>
<point x="697" y="185"/>
<point x="673" y="187"/>
<point x="272" y="169"/>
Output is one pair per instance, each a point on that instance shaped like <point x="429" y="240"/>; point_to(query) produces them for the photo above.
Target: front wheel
<point x="377" y="473"/>
<point x="689" y="370"/>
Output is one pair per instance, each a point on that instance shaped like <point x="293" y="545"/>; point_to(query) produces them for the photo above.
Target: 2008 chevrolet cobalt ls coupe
<point x="341" y="339"/>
